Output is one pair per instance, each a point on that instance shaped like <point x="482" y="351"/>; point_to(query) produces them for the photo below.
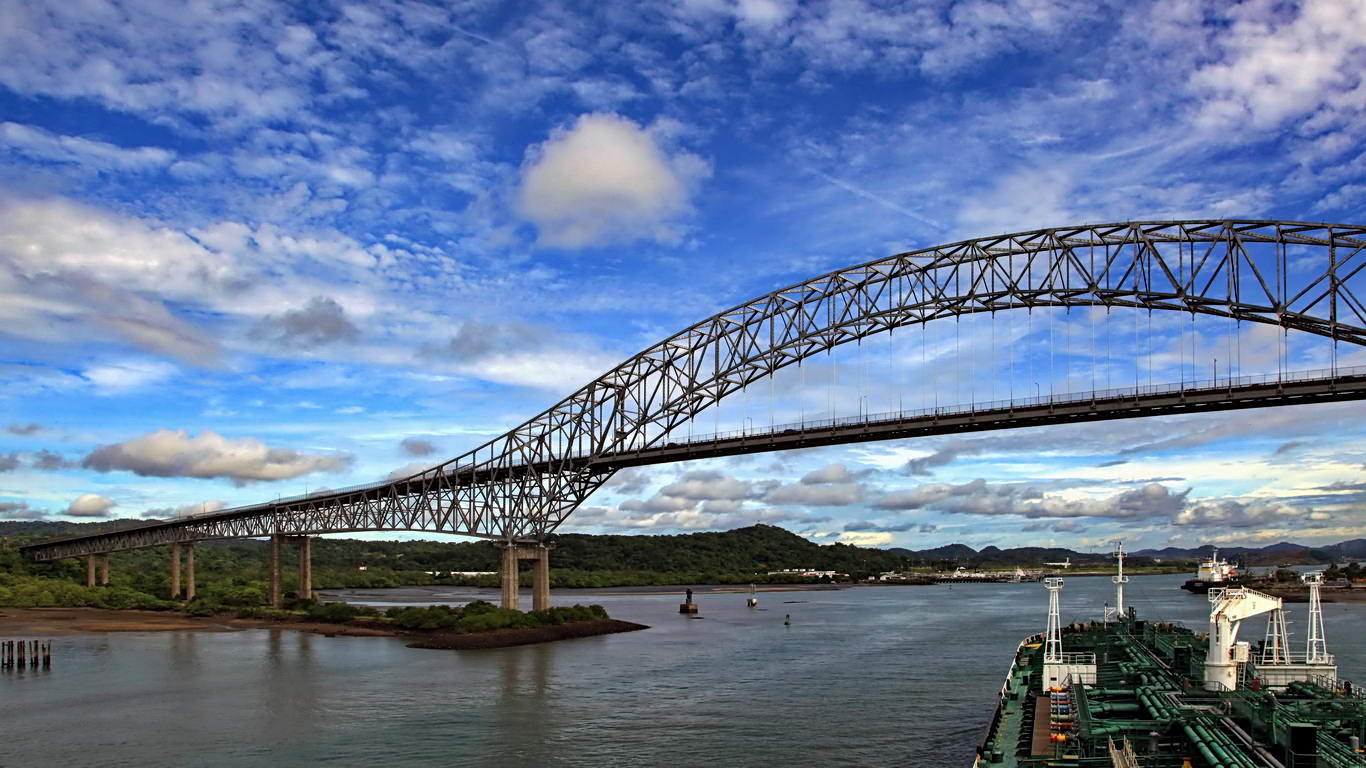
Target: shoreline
<point x="66" y="622"/>
<point x="446" y="640"/>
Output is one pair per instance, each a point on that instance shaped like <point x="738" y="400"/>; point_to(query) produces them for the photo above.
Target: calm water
<point x="896" y="676"/>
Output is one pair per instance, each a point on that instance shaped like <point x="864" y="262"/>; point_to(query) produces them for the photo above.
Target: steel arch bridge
<point x="522" y="485"/>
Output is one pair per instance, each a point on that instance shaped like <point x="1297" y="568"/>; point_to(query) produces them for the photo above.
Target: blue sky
<point x="252" y="249"/>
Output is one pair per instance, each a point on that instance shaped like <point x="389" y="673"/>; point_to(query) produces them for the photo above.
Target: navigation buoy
<point x="787" y="620"/>
<point x="688" y="606"/>
<point x="753" y="601"/>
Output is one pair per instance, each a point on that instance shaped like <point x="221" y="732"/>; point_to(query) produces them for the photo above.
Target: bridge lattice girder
<point x="525" y="483"/>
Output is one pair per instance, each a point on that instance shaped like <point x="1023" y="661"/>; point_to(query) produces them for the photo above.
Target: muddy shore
<point x="57" y="622"/>
<point x="506" y="638"/>
<point x="1301" y="595"/>
<point x="51" y="622"/>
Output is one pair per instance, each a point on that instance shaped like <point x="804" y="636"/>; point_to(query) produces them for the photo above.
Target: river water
<point x="869" y="676"/>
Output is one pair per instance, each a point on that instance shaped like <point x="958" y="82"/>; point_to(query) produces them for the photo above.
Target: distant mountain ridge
<point x="1283" y="552"/>
<point x="766" y="547"/>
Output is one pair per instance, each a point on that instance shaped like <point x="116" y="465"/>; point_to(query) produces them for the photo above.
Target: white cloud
<point x="637" y="519"/>
<point x="168" y="453"/>
<point x="605" y="180"/>
<point x="1278" y="68"/>
<point x="118" y="378"/>
<point x="88" y="153"/>
<point x="90" y="505"/>
<point x="185" y="510"/>
<point x="813" y="495"/>
<point x="762" y="14"/>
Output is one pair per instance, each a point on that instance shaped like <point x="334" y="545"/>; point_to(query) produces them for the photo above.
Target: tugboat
<point x="1129" y="693"/>
<point x="1212" y="572"/>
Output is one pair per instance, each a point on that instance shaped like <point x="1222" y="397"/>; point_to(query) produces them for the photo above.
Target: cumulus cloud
<point x="49" y="461"/>
<point x="823" y="495"/>
<point x="628" y="481"/>
<point x="1149" y="501"/>
<point x="520" y="354"/>
<point x="605" y="179"/>
<point x="174" y="453"/>
<point x="946" y="455"/>
<point x="637" y="518"/>
<point x="981" y="498"/>
<point x="708" y="485"/>
<point x="1280" y="65"/>
<point x="9" y="461"/>
<point x="187" y="510"/>
<point x="416" y="446"/>
<point x="866" y="538"/>
<point x="90" y="505"/>
<point x="321" y="321"/>
<point x="831" y="473"/>
<point x="23" y="430"/>
<point x="20" y="510"/>
<point x="1240" y="513"/>
<point x="876" y="527"/>
<point x="68" y="269"/>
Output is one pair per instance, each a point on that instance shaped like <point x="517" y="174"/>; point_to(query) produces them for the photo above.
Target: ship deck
<point x="1147" y="692"/>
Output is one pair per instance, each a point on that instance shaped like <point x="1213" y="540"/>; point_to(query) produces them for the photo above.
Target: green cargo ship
<point x="1128" y="692"/>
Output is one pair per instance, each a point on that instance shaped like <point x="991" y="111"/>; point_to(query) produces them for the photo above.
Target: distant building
<point x="806" y="572"/>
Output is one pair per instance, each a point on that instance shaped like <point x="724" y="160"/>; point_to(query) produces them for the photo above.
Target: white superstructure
<point x="1059" y="667"/>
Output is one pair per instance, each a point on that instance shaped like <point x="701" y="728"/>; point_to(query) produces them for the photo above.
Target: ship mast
<point x="1120" y="580"/>
<point x="1276" y="647"/>
<point x="1317" y="652"/>
<point x="1052" y="649"/>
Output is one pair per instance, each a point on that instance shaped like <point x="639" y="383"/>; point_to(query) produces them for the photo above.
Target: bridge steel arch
<point x="522" y="485"/>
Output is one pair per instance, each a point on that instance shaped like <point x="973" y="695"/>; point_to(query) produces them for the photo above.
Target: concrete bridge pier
<point x="104" y="569"/>
<point x="189" y="571"/>
<point x="305" y="568"/>
<point x="175" y="571"/>
<point x="540" y="586"/>
<point x="90" y="570"/>
<point x="275" y="570"/>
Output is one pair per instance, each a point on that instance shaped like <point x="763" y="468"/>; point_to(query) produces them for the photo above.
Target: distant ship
<point x="1212" y="572"/>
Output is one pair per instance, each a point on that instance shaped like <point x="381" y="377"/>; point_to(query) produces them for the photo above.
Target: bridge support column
<point x="540" y="582"/>
<point x="510" y="576"/>
<point x="275" y="570"/>
<point x="305" y="568"/>
<point x="189" y="571"/>
<point x="90" y="570"/>
<point x="513" y="554"/>
<point x="104" y="569"/>
<point x="175" y="571"/>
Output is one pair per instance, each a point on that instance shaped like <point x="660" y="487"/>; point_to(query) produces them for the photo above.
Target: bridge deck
<point x="381" y="506"/>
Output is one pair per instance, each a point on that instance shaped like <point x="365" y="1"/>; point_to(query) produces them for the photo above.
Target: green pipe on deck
<point x="1116" y="706"/>
<point x="1202" y="748"/>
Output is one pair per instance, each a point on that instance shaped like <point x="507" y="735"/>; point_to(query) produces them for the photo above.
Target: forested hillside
<point x="234" y="571"/>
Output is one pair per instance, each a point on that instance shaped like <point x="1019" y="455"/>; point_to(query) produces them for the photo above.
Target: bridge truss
<point x="522" y="485"/>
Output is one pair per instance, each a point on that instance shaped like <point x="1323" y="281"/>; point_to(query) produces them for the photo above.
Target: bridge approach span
<point x="411" y="504"/>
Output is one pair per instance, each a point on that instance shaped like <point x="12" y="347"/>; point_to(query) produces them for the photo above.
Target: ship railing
<point x="1076" y="657"/>
<point x="1266" y="659"/>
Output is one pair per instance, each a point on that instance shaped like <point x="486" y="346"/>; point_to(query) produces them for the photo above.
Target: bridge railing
<point x="1116" y="393"/>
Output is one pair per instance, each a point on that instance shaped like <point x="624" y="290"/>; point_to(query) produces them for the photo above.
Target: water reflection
<point x="875" y="676"/>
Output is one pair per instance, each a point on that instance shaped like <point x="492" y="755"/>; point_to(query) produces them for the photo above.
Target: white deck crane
<point x="1228" y="608"/>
